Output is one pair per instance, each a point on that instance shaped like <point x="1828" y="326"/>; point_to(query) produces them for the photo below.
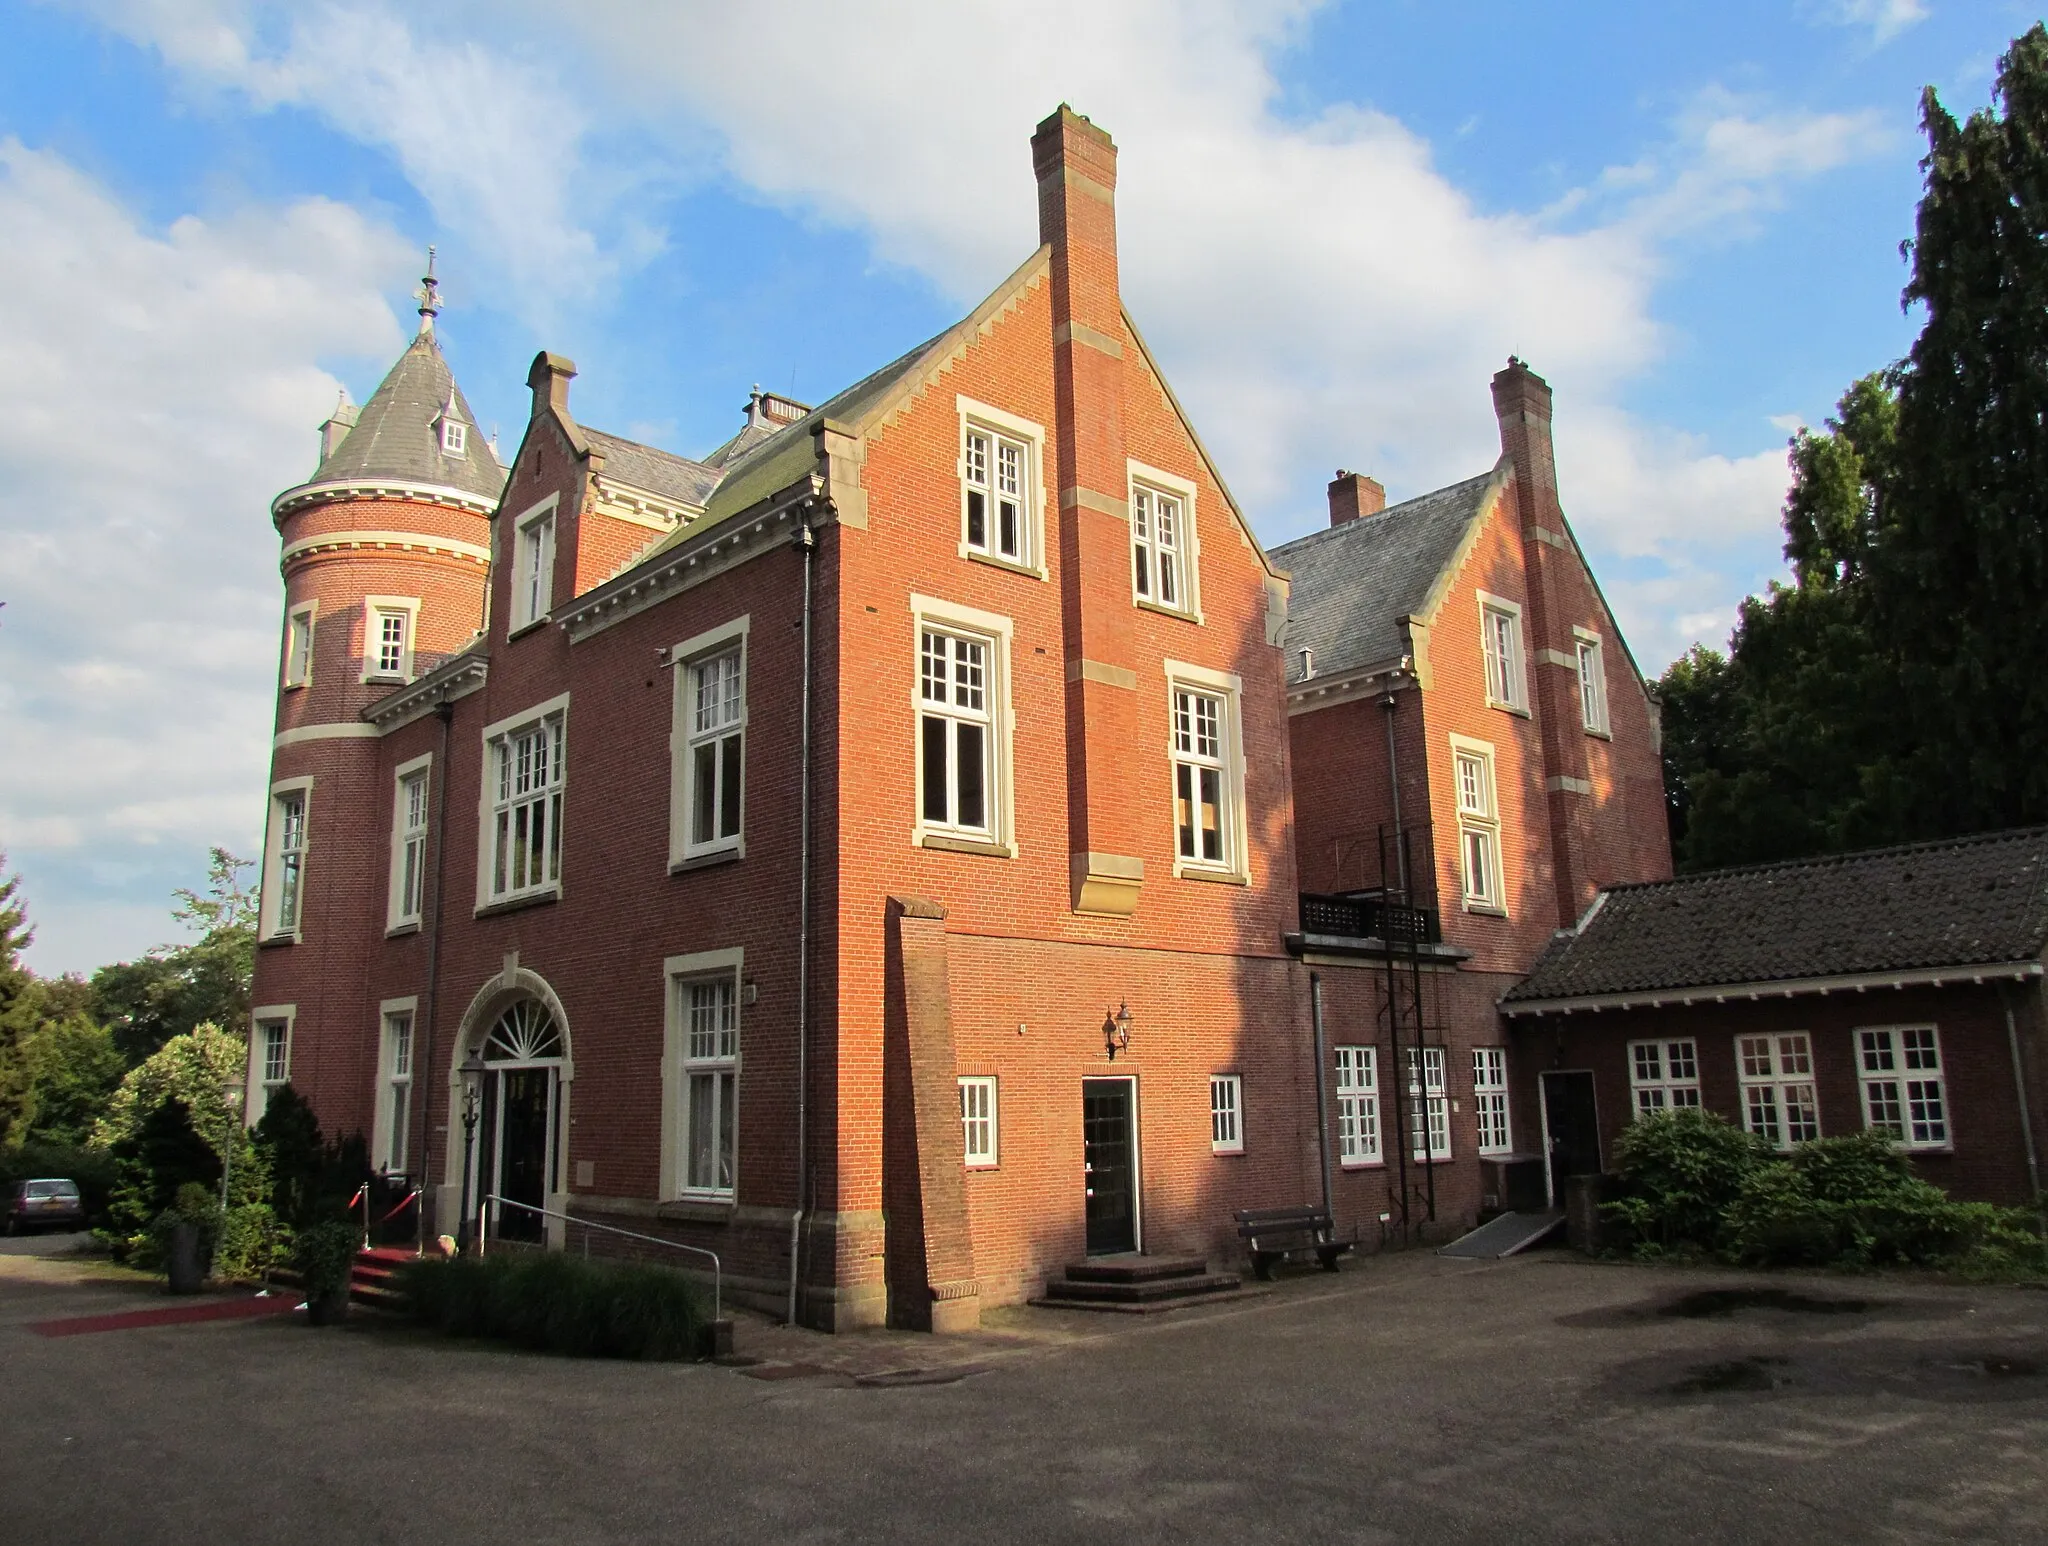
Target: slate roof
<point x="1959" y="902"/>
<point x="1354" y="582"/>
<point x="661" y="473"/>
<point x="395" y="438"/>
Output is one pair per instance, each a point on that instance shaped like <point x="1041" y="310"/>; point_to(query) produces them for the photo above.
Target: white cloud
<point x="493" y="141"/>
<point x="156" y="388"/>
<point x="1886" y="19"/>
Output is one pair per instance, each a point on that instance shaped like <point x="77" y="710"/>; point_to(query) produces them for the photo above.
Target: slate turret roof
<point x="1960" y="902"/>
<point x="395" y="436"/>
<point x="1354" y="583"/>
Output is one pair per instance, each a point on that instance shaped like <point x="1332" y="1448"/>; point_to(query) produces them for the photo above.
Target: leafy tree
<point x="173" y="989"/>
<point x="73" y="1068"/>
<point x="202" y="1070"/>
<point x="1892" y="691"/>
<point x="17" y="1004"/>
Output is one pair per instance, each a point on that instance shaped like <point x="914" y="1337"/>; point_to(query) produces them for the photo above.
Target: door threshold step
<point x="1147" y="1291"/>
<point x="1150" y="1306"/>
<point x="1129" y="1267"/>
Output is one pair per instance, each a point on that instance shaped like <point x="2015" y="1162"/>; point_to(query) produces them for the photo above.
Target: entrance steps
<point x="1130" y="1284"/>
<point x="372" y="1279"/>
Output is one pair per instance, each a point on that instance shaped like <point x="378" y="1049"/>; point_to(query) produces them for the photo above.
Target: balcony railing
<point x="1358" y="916"/>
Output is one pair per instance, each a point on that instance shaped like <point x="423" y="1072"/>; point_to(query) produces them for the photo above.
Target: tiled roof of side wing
<point x="1353" y="583"/>
<point x="394" y="436"/>
<point x="660" y="473"/>
<point x="1959" y="902"/>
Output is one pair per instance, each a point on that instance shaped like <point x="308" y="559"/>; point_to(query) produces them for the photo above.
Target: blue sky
<point x="1336" y="221"/>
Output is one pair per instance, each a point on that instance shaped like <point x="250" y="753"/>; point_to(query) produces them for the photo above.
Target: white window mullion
<point x="978" y="1121"/>
<point x="1226" y="1114"/>
<point x="1358" y="1105"/>
<point x="1779" y="1100"/>
<point x="709" y="1012"/>
<point x="1490" y="1098"/>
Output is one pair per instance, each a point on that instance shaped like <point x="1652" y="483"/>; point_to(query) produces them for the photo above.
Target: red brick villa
<point x="928" y="841"/>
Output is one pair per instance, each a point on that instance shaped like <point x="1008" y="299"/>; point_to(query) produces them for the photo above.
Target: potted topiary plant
<point x="185" y="1235"/>
<point x="325" y="1254"/>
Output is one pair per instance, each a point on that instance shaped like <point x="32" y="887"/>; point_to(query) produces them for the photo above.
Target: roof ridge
<point x="1815" y="861"/>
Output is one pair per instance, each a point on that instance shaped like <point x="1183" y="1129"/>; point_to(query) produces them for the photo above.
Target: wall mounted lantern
<point x="1116" y="1030"/>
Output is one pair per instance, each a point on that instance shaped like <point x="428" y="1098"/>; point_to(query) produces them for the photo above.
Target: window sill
<point x="526" y="628"/>
<point x="295" y="686"/>
<point x="1600" y="735"/>
<point x="1350" y="1165"/>
<point x="995" y="561"/>
<point x="276" y="941"/>
<point x="1485" y="910"/>
<point x="513" y="904"/>
<point x="966" y="845"/>
<point x="1509" y="708"/>
<point x="981" y="1167"/>
<point x="1212" y="877"/>
<point x="386" y="681"/>
<point x="1227" y="1153"/>
<point x="1165" y="611"/>
<point x="697" y="1210"/>
<point x="400" y="930"/>
<point x="708" y="861"/>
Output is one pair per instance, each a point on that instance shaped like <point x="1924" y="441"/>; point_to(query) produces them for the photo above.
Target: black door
<point x="523" y="1149"/>
<point x="1106" y="1132"/>
<point x="1573" y="1123"/>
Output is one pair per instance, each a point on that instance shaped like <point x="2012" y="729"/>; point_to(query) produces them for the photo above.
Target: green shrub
<point x="252" y="1241"/>
<point x="195" y="1205"/>
<point x="1681" y="1171"/>
<point x="549" y="1302"/>
<point x="324" y="1254"/>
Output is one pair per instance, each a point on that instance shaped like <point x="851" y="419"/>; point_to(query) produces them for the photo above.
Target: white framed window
<point x="1206" y="753"/>
<point x="1163" y="572"/>
<point x="389" y="623"/>
<point x="1778" y="1098"/>
<point x="454" y="436"/>
<point x="1500" y="638"/>
<point x="963" y="726"/>
<point x="707" y="747"/>
<point x="1592" y="682"/>
<point x="524" y="778"/>
<point x="1001" y="487"/>
<point x="285" y="849"/>
<point x="298" y="645"/>
<point x="978" y="1119"/>
<point x="533" y="564"/>
<point x="1490" y="1099"/>
<point x="1358" y="1105"/>
<point x="407" y="899"/>
<point x="1904" y="1091"/>
<point x="394" y="1115"/>
<point x="270" y="1057"/>
<point x="1664" y="1075"/>
<point x="1429" y="1103"/>
<point x="1226" y="1114"/>
<point x="1479" y="861"/>
<point x="709" y="1012"/>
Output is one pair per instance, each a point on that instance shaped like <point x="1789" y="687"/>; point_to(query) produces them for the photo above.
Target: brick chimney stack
<point x="1353" y="494"/>
<point x="1075" y="163"/>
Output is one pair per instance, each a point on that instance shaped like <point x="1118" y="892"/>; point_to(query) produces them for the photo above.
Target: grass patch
<point x="552" y="1303"/>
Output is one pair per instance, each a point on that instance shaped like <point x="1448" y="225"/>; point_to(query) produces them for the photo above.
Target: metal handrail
<point x="717" y="1270"/>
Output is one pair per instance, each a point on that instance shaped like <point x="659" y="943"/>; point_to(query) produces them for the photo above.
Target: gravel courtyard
<point x="1409" y="1399"/>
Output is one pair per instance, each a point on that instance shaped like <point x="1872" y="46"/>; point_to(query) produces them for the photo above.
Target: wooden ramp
<point x="1505" y="1235"/>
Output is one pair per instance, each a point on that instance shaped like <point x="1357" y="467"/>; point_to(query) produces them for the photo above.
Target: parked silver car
<point x="49" y="1202"/>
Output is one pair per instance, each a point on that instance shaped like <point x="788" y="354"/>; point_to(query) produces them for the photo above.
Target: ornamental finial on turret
<point x="429" y="297"/>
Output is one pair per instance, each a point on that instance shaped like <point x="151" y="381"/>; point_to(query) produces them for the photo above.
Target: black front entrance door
<point x="522" y="1170"/>
<point x="1108" y="1150"/>
<point x="1573" y="1123"/>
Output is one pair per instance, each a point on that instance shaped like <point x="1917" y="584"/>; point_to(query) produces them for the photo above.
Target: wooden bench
<point x="1273" y="1234"/>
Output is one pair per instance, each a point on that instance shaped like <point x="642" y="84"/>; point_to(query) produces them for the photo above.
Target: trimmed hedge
<point x="552" y="1303"/>
<point x="1697" y="1185"/>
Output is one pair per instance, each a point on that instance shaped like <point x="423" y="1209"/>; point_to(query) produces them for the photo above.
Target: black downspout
<point x="806" y="544"/>
<point x="1398" y="1074"/>
<point x="1391" y="704"/>
<point x="1315" y="1014"/>
<point x="445" y="712"/>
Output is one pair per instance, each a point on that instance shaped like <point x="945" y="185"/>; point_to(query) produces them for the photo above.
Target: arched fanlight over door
<point x="525" y="1033"/>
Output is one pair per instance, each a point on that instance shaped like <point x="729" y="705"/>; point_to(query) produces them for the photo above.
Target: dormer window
<point x="454" y="436"/>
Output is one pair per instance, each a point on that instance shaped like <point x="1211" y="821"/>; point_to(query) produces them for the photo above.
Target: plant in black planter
<point x="324" y="1255"/>
<point x="186" y="1233"/>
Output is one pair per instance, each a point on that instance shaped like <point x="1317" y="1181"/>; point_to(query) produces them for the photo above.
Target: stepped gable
<point x="395" y="435"/>
<point x="1960" y="902"/>
<point x="1353" y="583"/>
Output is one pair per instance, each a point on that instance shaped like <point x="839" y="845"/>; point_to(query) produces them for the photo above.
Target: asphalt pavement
<point x="1409" y="1399"/>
